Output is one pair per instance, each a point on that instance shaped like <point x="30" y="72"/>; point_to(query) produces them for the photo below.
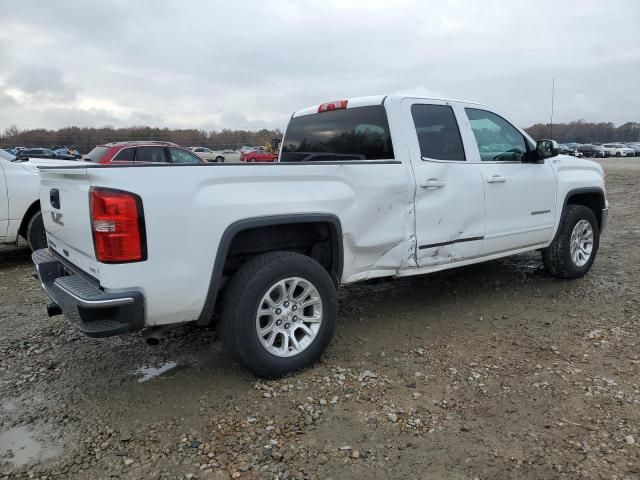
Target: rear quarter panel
<point x="188" y="208"/>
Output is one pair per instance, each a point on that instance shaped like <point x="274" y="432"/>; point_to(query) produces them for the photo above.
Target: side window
<point x="150" y="155"/>
<point x="497" y="139"/>
<point x="199" y="150"/>
<point x="181" y="156"/>
<point x="438" y="132"/>
<point x="124" y="155"/>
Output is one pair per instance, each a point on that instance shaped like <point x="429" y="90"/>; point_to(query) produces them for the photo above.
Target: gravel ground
<point x="491" y="371"/>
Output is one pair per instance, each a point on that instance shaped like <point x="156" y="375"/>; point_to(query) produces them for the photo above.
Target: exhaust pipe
<point x="53" y="309"/>
<point x="153" y="335"/>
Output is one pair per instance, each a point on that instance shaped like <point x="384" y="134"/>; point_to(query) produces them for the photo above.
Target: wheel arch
<point x="591" y="197"/>
<point x="232" y="232"/>
<point x="31" y="211"/>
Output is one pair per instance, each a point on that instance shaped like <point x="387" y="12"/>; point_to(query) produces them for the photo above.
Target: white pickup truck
<point x="20" y="199"/>
<point x="384" y="186"/>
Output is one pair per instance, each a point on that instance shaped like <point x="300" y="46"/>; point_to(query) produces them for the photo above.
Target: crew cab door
<point x="519" y="195"/>
<point x="449" y="195"/>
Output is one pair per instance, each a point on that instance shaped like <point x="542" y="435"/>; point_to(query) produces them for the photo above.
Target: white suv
<point x="208" y="155"/>
<point x="618" y="150"/>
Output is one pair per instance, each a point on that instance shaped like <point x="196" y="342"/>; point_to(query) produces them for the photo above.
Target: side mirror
<point x="547" y="149"/>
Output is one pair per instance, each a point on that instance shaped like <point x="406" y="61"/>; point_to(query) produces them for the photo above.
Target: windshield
<point x="360" y="133"/>
<point x="6" y="155"/>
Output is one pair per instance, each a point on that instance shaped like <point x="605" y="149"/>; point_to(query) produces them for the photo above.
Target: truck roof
<point x="376" y="100"/>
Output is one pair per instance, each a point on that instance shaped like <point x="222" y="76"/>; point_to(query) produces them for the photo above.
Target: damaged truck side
<point x="364" y="188"/>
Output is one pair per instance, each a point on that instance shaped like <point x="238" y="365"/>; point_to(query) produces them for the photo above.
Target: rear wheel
<point x="574" y="249"/>
<point x="618" y="154"/>
<point x="219" y="159"/>
<point x="36" y="235"/>
<point x="279" y="313"/>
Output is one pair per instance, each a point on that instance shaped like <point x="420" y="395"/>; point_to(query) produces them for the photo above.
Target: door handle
<point x="496" y="179"/>
<point x="432" y="184"/>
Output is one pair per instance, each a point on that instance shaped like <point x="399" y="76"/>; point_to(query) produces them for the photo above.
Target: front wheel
<point x="36" y="235"/>
<point x="219" y="159"/>
<point x="279" y="313"/>
<point x="574" y="248"/>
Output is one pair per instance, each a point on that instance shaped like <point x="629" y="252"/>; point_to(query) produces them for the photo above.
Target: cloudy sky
<point x="249" y="64"/>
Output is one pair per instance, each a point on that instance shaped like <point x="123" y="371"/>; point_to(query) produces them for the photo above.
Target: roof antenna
<point x="553" y="92"/>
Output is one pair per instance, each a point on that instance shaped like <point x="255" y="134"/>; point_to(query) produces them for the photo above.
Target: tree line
<point x="84" y="139"/>
<point x="586" y="132"/>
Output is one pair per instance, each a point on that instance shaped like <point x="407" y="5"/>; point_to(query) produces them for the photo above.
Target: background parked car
<point x="564" y="148"/>
<point x="618" y="150"/>
<point x="141" y="152"/>
<point x="636" y="148"/>
<point x="207" y="154"/>
<point x="246" y="149"/>
<point x="42" y="153"/>
<point x="595" y="151"/>
<point x="570" y="149"/>
<point x="258" y="156"/>
<point x="20" y="214"/>
<point x="226" y="155"/>
<point x="66" y="151"/>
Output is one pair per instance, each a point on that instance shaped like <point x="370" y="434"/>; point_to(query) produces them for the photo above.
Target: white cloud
<point x="249" y="64"/>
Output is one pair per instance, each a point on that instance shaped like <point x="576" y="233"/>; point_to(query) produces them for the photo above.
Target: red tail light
<point x="117" y="224"/>
<point x="337" y="105"/>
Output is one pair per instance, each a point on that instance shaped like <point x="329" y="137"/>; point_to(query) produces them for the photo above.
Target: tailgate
<point x="64" y="200"/>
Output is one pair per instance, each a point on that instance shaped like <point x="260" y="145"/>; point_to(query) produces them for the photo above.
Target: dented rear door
<point x="449" y="195"/>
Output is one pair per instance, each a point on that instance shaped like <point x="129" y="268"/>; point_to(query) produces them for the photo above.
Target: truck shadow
<point x="513" y="275"/>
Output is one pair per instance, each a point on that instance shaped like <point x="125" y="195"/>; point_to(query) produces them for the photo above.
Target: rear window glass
<point x="360" y="133"/>
<point x="438" y="132"/>
<point x="96" y="154"/>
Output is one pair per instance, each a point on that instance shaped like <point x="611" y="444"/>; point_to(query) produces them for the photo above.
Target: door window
<point x="497" y="139"/>
<point x="438" y="132"/>
<point x="125" y="155"/>
<point x="181" y="156"/>
<point x="150" y="155"/>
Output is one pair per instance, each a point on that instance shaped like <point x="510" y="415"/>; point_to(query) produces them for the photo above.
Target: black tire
<point x="557" y="257"/>
<point x="219" y="159"/>
<point x="618" y="154"/>
<point x="36" y="235"/>
<point x="242" y="300"/>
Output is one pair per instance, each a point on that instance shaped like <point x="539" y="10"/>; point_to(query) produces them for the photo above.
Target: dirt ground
<point x="489" y="372"/>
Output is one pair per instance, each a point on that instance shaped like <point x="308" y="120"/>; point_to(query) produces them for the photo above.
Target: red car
<point x="258" y="156"/>
<point x="141" y="152"/>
